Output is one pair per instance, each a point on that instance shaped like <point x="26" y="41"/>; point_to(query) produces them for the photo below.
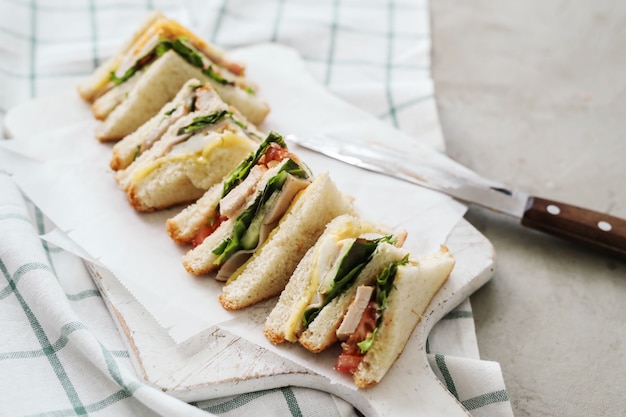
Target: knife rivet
<point x="552" y="209"/>
<point x="604" y="226"/>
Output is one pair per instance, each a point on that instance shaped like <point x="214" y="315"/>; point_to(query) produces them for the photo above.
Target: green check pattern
<point x="61" y="354"/>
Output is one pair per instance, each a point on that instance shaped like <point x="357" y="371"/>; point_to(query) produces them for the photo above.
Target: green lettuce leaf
<point x="366" y="344"/>
<point x="201" y="122"/>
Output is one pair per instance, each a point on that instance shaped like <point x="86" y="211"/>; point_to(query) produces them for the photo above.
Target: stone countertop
<point x="533" y="94"/>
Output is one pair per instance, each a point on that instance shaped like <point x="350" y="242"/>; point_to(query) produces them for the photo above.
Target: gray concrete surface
<point x="533" y="93"/>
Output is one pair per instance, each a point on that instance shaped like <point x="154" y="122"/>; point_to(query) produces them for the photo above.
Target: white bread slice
<point x="267" y="272"/>
<point x="157" y="85"/>
<point x="321" y="333"/>
<point x="415" y="286"/>
<point x="284" y="321"/>
<point x="177" y="179"/>
<point x="159" y="150"/>
<point x="90" y="88"/>
<point x="179" y="167"/>
<point x="276" y="327"/>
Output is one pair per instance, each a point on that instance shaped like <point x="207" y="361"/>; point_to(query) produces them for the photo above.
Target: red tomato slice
<point x="275" y="153"/>
<point x="347" y="363"/>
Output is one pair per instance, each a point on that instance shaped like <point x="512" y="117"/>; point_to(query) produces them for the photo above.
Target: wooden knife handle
<point x="591" y="228"/>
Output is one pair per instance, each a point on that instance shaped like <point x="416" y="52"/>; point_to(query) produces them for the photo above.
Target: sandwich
<point x="195" y="95"/>
<point x="369" y="296"/>
<point x="349" y="253"/>
<point x="265" y="274"/>
<point x="251" y="230"/>
<point x="196" y="151"/>
<point x="382" y="316"/>
<point x="150" y="69"/>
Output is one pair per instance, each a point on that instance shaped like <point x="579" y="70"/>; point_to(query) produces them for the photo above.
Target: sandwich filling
<point x="245" y="178"/>
<point x="241" y="183"/>
<point x="254" y="224"/>
<point x="337" y="273"/>
<point x="363" y="319"/>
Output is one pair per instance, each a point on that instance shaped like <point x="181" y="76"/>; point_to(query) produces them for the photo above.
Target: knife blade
<point x="433" y="170"/>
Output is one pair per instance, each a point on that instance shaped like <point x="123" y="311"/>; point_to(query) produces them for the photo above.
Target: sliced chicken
<point x="237" y="197"/>
<point x="355" y="311"/>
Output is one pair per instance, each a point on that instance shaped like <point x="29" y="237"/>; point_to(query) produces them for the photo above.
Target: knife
<point x="434" y="170"/>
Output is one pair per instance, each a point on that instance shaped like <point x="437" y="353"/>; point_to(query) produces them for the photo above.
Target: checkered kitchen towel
<point x="60" y="354"/>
